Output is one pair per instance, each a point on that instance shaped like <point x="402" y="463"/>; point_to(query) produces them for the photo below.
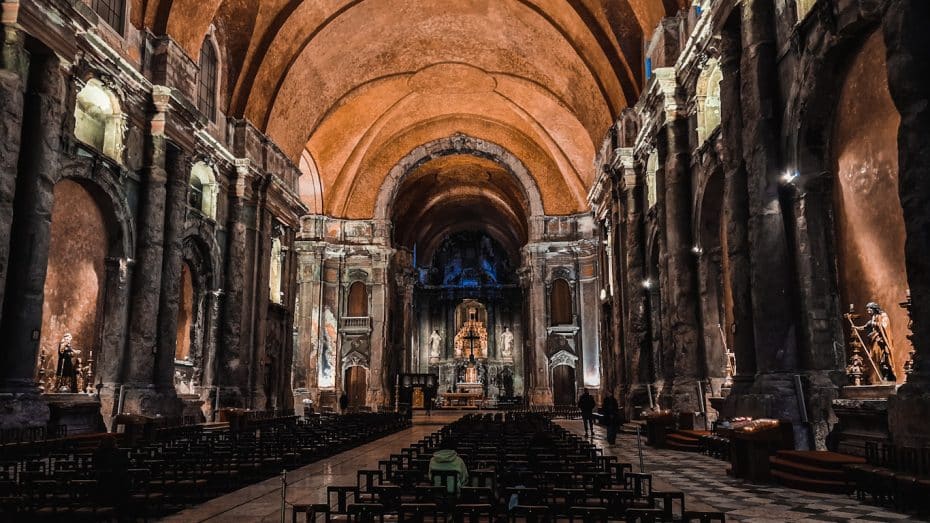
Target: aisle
<point x="703" y="478"/>
<point x="262" y="501"/>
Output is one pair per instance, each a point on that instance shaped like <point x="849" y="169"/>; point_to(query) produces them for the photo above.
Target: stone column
<point x="535" y="287"/>
<point x="682" y="298"/>
<point x="736" y="216"/>
<point x="588" y="291"/>
<point x="380" y="384"/>
<point x="213" y="305"/>
<point x="13" y="70"/>
<point x="261" y="370"/>
<point x="112" y="358"/>
<point x="30" y="235"/>
<point x="141" y="397"/>
<point x="234" y="362"/>
<point x="908" y="43"/>
<point x="774" y="315"/>
<point x="636" y="308"/>
<point x="178" y="173"/>
<point x="306" y="354"/>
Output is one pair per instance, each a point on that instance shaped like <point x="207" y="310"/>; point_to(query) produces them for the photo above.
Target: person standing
<point x="428" y="395"/>
<point x="611" y="412"/>
<point x="343" y="403"/>
<point x="586" y="405"/>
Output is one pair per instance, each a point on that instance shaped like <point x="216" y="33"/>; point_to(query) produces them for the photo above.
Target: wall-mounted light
<point x="647" y="283"/>
<point x="790" y="177"/>
<point x="697" y="250"/>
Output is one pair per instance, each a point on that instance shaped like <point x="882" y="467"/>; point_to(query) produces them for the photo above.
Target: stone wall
<point x="99" y="238"/>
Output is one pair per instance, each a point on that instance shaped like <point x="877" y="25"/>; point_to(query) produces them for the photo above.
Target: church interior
<point x="269" y="259"/>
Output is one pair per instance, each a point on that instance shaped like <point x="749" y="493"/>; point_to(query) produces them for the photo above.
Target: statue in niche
<point x="67" y="372"/>
<point x="507" y="382"/>
<point x="507" y="343"/>
<point x="435" y="344"/>
<point x="877" y="339"/>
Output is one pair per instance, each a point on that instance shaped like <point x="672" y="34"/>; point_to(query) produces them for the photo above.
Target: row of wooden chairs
<point x="893" y="476"/>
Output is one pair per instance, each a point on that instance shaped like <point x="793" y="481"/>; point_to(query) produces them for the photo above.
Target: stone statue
<point x="878" y="341"/>
<point x="507" y="343"/>
<point x="67" y="372"/>
<point x="435" y="345"/>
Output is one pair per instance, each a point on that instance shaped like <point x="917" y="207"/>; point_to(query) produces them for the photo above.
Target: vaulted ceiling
<point x="359" y="84"/>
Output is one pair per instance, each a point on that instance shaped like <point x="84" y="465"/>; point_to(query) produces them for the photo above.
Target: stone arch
<point x="310" y="185"/>
<point x="99" y="121"/>
<point x="196" y="314"/>
<point x="707" y="100"/>
<point x="458" y="144"/>
<point x="90" y="245"/>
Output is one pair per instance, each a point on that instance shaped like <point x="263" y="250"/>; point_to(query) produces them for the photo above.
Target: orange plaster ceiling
<point x="359" y="84"/>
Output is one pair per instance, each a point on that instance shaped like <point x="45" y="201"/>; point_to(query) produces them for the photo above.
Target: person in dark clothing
<point x="611" y="411"/>
<point x="428" y="400"/>
<point x="586" y="405"/>
<point x="343" y="403"/>
<point x="111" y="469"/>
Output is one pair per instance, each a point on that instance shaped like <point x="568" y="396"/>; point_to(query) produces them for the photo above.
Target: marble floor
<point x="703" y="479"/>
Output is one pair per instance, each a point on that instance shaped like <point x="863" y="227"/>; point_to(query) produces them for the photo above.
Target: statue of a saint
<point x="878" y="340"/>
<point x="67" y="372"/>
<point x="507" y="343"/>
<point x="435" y="344"/>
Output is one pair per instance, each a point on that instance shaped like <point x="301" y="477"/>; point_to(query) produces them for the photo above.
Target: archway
<point x="98" y="121"/>
<point x="74" y="287"/>
<point x="357" y="301"/>
<point x="869" y="220"/>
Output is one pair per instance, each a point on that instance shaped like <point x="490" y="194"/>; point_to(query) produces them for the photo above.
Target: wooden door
<point x="356" y="385"/>
<point x="563" y="385"/>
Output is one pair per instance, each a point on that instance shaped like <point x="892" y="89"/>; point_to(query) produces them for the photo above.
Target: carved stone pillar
<point x="234" y="360"/>
<point x="908" y="43"/>
<point x="13" y="71"/>
<point x="736" y="217"/>
<point x="109" y="362"/>
<point x="29" y="238"/>
<point x="636" y="307"/>
<point x="178" y="173"/>
<point x="589" y="305"/>
<point x="213" y="305"/>
<point x="682" y="297"/>
<point x="141" y="396"/>
<point x="774" y="314"/>
<point x="535" y="291"/>
<point x="309" y="295"/>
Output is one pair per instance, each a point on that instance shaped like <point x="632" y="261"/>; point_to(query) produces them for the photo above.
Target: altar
<point x="462" y="399"/>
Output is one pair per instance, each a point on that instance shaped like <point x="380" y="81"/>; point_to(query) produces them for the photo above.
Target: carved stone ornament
<point x="563" y="357"/>
<point x="354" y="359"/>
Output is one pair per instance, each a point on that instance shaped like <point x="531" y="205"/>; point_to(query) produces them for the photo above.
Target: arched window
<point x="203" y="190"/>
<point x="206" y="94"/>
<point x="111" y="12"/>
<point x="98" y="121"/>
<point x="652" y="167"/>
<point x="358" y="301"/>
<point x="708" y="100"/>
<point x="560" y="303"/>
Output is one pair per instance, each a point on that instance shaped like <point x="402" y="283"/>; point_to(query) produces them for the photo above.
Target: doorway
<point x="563" y="385"/>
<point x="356" y="385"/>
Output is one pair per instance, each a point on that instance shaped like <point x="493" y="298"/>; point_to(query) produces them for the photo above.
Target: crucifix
<point x="471" y="337"/>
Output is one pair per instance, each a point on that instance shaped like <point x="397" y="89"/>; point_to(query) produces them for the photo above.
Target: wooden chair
<point x="704" y="517"/>
<point x="311" y="512"/>
<point x="643" y="515"/>
<point x="365" y="513"/>
<point x="473" y="513"/>
<point x="530" y="514"/>
<point x="666" y="501"/>
<point x="587" y="514"/>
<point x="418" y="513"/>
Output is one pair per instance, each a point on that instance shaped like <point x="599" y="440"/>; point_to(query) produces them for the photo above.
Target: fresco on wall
<point x="328" y="349"/>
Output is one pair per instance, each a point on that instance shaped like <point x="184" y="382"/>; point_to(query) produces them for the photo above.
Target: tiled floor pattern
<point x="704" y="478"/>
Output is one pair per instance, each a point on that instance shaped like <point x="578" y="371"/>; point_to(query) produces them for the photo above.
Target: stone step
<point x="809" y="484"/>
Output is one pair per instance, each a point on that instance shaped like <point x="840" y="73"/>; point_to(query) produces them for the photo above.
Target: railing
<point x="356" y="324"/>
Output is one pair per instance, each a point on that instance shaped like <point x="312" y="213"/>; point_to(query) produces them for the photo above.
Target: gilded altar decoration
<point x="472" y="339"/>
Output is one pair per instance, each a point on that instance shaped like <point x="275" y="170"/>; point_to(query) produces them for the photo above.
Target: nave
<point x="703" y="480"/>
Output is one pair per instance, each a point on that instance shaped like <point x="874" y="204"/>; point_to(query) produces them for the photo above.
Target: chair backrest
<point x="643" y="515"/>
<point x="639" y="483"/>
<point x="341" y="495"/>
<point x="666" y="502"/>
<point x="366" y="480"/>
<point x="472" y="513"/>
<point x="704" y="517"/>
<point x="587" y="514"/>
<point x="530" y="514"/>
<point x="365" y="513"/>
<point x="417" y="513"/>
<point x="445" y="478"/>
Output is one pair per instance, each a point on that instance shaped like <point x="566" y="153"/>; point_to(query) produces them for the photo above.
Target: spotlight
<point x="647" y="283"/>
<point x="697" y="250"/>
<point x="790" y="177"/>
